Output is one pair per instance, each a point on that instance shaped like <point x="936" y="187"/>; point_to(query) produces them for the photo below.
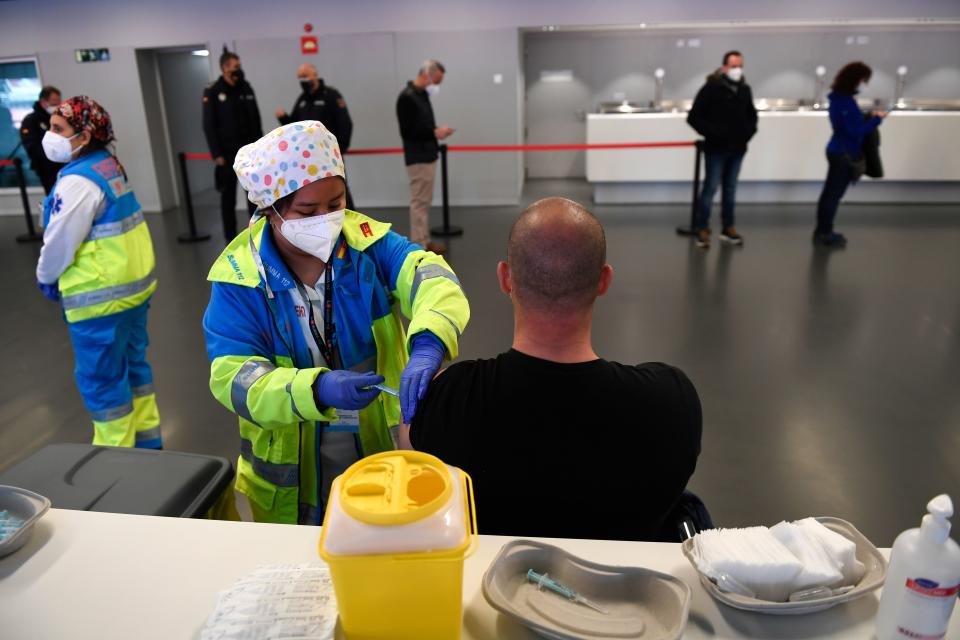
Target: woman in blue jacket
<point x="844" y="148"/>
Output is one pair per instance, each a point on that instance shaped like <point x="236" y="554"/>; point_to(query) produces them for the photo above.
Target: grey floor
<point x="830" y="381"/>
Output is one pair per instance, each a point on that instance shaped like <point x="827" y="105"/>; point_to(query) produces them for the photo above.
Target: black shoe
<point x="730" y="235"/>
<point x="832" y="239"/>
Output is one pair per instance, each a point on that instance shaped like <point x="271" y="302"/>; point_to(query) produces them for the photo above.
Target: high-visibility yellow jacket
<point x="113" y="268"/>
<point x="261" y="367"/>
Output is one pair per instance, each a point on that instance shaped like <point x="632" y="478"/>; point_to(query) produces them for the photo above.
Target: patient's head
<point x="556" y="259"/>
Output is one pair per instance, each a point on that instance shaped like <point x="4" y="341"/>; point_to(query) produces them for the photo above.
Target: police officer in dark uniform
<point x="231" y="120"/>
<point x="319" y="101"/>
<point x="32" y="130"/>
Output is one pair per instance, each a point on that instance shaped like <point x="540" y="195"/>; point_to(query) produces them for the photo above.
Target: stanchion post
<point x="187" y="202"/>
<point x="446" y="230"/>
<point x="695" y="200"/>
<point x="31" y="235"/>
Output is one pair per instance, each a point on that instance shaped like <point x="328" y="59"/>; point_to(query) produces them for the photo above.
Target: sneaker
<point x="703" y="238"/>
<point x="437" y="248"/>
<point x="834" y="240"/>
<point x="730" y="235"/>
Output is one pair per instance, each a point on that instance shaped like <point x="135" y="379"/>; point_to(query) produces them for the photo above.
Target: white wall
<point x="476" y="40"/>
<point x="148" y="68"/>
<point x="116" y="87"/>
<point x="778" y="64"/>
<point x="148" y="23"/>
<point x="370" y="69"/>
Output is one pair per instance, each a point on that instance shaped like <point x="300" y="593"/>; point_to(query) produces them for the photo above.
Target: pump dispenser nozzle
<point x="936" y="524"/>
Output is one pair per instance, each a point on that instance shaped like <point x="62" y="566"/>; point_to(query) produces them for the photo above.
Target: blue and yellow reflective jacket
<point x="113" y="268"/>
<point x="261" y="366"/>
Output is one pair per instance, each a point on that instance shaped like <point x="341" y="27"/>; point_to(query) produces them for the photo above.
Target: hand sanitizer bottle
<point x="923" y="579"/>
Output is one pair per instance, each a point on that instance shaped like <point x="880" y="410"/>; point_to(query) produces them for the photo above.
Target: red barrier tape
<point x="568" y="147"/>
<point x="6" y="163"/>
<point x="373" y="152"/>
<point x="503" y="147"/>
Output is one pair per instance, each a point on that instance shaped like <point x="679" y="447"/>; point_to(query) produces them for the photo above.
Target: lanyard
<point x="327" y="342"/>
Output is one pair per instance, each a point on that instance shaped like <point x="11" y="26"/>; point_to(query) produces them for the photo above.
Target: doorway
<point x="173" y="80"/>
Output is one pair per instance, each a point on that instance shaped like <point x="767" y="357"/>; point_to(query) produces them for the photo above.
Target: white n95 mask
<point x="433" y="90"/>
<point x="57" y="148"/>
<point x="316" y="235"/>
<point x="735" y="74"/>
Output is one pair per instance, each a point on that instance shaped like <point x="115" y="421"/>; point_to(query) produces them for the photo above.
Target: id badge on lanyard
<point x="347" y="420"/>
<point x="326" y="343"/>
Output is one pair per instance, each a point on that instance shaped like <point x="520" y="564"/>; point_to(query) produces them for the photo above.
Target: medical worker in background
<point x="97" y="261"/>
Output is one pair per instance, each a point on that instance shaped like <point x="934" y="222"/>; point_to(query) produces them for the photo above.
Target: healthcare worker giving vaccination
<point x="305" y="318"/>
<point x="97" y="262"/>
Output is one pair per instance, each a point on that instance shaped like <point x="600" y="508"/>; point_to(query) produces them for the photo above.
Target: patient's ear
<point x="504" y="277"/>
<point x="606" y="279"/>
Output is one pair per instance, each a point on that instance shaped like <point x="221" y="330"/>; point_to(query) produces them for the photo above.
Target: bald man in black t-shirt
<point x="560" y="442"/>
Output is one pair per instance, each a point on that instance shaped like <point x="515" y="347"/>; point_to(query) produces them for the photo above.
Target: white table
<point x="97" y="575"/>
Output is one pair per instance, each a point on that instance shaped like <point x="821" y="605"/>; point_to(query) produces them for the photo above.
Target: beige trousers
<point x="422" y="176"/>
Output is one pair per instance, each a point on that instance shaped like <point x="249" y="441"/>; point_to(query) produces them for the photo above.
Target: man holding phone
<point x="421" y="137"/>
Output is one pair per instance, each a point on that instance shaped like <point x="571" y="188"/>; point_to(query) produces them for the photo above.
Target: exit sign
<point x="92" y="55"/>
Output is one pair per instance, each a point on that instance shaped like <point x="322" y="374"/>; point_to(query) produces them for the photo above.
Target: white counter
<point x="98" y="575"/>
<point x="785" y="161"/>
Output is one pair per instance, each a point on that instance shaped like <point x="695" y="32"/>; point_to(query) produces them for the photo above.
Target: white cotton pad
<point x="843" y="551"/>
<point x="820" y="568"/>
<point x="753" y="557"/>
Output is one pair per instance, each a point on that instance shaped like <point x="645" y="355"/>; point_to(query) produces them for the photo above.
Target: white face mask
<point x="316" y="235"/>
<point x="50" y="110"/>
<point x="861" y="87"/>
<point x="433" y="89"/>
<point x="735" y="73"/>
<point x="57" y="148"/>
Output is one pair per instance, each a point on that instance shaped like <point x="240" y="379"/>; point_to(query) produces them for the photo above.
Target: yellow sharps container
<point x="397" y="530"/>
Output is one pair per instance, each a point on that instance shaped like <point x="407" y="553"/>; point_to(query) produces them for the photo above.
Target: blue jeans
<point x="721" y="166"/>
<point x="839" y="177"/>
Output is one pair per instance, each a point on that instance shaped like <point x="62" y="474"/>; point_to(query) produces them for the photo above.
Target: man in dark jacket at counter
<point x="320" y="101"/>
<point x="32" y="130"/>
<point x="723" y="113"/>
<point x="420" y="134"/>
<point x="231" y="119"/>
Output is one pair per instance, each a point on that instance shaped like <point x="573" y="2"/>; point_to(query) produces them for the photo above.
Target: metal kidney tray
<point x="22" y="505"/>
<point x="640" y="603"/>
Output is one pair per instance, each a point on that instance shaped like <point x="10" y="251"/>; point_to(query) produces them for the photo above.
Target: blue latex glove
<point x="50" y="291"/>
<point x="426" y="356"/>
<point x="346" y="389"/>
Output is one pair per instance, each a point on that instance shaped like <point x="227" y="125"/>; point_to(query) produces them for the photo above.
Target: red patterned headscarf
<point x="83" y="113"/>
